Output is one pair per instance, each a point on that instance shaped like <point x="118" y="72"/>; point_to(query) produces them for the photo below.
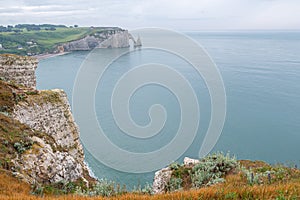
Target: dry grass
<point x="6" y="97"/>
<point x="235" y="187"/>
<point x="10" y="186"/>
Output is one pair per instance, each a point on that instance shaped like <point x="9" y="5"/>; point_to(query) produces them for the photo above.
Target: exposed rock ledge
<point x="161" y="179"/>
<point x="163" y="176"/>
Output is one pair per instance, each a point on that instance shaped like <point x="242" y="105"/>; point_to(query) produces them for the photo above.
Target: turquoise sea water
<point x="261" y="74"/>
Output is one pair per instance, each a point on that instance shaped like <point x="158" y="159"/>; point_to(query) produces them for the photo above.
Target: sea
<point x="261" y="75"/>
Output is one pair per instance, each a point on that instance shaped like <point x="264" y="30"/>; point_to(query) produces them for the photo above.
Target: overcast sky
<point x="174" y="14"/>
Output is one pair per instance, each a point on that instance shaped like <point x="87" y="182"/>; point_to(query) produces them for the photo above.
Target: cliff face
<point x="87" y="43"/>
<point x="109" y="39"/>
<point x="18" y="70"/>
<point x="118" y="40"/>
<point x="52" y="151"/>
<point x="49" y="112"/>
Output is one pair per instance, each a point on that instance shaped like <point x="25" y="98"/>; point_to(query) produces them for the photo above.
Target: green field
<point x="42" y="41"/>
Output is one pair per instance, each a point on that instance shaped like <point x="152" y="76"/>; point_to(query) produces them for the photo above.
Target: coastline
<point x="48" y="55"/>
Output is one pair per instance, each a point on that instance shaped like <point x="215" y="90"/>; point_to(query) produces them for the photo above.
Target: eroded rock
<point x="50" y="161"/>
<point x="161" y="180"/>
<point x="43" y="164"/>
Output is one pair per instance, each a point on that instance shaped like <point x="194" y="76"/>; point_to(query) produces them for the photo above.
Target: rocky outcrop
<point x="19" y="70"/>
<point x="163" y="176"/>
<point x="136" y="43"/>
<point x="188" y="162"/>
<point x="49" y="112"/>
<point x="161" y="179"/>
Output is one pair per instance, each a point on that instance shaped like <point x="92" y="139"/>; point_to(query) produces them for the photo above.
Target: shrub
<point x="174" y="184"/>
<point x="103" y="188"/>
<point x="211" y="169"/>
<point x="32" y="92"/>
<point x="58" y="188"/>
<point x="174" y="165"/>
<point x="268" y="174"/>
<point x="147" y="189"/>
<point x="37" y="189"/>
<point x="22" y="146"/>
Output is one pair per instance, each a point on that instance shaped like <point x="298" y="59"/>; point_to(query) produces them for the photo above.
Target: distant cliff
<point x="117" y="40"/>
<point x="108" y="39"/>
<point x="49" y="151"/>
<point x="33" y="40"/>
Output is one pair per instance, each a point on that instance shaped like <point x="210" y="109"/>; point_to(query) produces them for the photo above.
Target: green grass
<point x="46" y="40"/>
<point x="61" y="35"/>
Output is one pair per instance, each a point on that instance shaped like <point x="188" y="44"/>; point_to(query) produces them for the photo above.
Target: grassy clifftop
<point x="25" y="41"/>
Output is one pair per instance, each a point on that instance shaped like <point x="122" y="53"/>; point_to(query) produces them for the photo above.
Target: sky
<point x="186" y="15"/>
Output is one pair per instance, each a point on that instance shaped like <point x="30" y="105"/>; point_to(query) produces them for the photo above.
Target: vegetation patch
<point x="11" y="94"/>
<point x="209" y="171"/>
<point x="262" y="173"/>
<point x="59" y="188"/>
<point x="12" y="137"/>
<point x="43" y="97"/>
<point x="7" y="100"/>
<point x="22" y="146"/>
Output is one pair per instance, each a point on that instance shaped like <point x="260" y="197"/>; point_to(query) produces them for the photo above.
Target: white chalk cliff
<point x="56" y="154"/>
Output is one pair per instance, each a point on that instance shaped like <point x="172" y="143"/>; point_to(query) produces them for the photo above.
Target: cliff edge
<point x="39" y="137"/>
